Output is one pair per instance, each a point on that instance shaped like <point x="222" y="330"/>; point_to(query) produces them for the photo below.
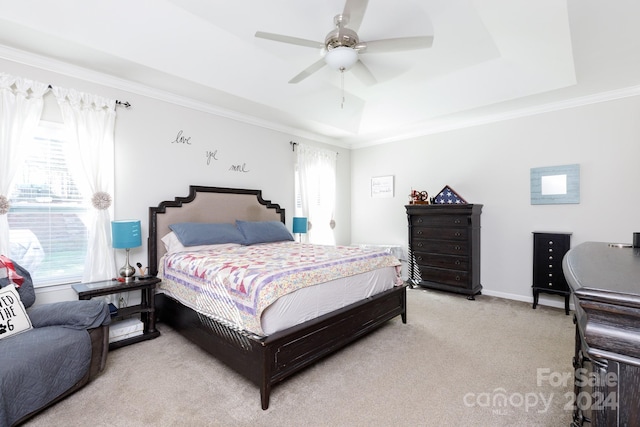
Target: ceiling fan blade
<point x="289" y="39"/>
<point x="308" y="71"/>
<point x="362" y="72"/>
<point x="355" y="10"/>
<point x="398" y="44"/>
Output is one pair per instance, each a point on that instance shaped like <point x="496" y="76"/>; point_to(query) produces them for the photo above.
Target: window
<point x="315" y="192"/>
<point x="48" y="211"/>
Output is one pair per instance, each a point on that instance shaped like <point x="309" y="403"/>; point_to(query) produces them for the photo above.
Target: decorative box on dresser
<point x="444" y="247"/>
<point x="606" y="294"/>
<point x="548" y="251"/>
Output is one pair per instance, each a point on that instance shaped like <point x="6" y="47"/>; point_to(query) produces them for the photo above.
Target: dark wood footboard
<point x="267" y="361"/>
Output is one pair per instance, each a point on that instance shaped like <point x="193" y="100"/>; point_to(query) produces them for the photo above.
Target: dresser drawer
<point x="441" y="220"/>
<point x="441" y="247"/>
<point x="449" y="277"/>
<point x="440" y="233"/>
<point x="442" y="261"/>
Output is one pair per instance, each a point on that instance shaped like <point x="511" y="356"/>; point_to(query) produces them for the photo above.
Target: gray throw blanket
<point x="39" y="365"/>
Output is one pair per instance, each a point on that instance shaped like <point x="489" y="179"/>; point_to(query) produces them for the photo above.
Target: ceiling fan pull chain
<point x="342" y="87"/>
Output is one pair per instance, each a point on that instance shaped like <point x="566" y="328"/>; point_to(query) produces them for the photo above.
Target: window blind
<point x="48" y="212"/>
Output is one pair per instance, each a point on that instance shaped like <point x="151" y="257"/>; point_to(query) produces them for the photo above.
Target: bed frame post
<point x="265" y="380"/>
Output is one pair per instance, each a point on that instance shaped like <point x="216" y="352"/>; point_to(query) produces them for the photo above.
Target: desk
<point x="606" y="290"/>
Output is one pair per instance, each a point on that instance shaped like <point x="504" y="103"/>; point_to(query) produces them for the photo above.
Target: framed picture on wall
<point x="555" y="185"/>
<point x="382" y="186"/>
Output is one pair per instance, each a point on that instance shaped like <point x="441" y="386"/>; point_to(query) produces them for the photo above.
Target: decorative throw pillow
<point x="13" y="315"/>
<point x="197" y="233"/>
<point x="12" y="272"/>
<point x="172" y="244"/>
<point x="263" y="231"/>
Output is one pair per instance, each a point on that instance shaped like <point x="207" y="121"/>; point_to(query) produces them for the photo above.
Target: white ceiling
<point x="489" y="59"/>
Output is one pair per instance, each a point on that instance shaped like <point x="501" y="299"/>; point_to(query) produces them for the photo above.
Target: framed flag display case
<point x="448" y="196"/>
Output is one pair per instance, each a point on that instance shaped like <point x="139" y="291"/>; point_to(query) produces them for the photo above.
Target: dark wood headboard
<point x="207" y="204"/>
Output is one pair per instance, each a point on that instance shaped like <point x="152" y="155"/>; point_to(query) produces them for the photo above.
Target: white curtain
<point x="90" y="122"/>
<point x="20" y="110"/>
<point x="317" y="184"/>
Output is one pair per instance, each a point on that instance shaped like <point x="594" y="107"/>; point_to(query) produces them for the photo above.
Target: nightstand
<point x="146" y="309"/>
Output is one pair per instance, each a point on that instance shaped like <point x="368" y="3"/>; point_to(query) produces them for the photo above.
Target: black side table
<point x="146" y="308"/>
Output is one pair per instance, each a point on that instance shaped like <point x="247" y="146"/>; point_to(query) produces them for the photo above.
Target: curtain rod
<point x="293" y="146"/>
<point x="125" y="104"/>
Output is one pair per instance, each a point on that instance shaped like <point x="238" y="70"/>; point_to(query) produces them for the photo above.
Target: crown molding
<point x="456" y="124"/>
<point x="428" y="128"/>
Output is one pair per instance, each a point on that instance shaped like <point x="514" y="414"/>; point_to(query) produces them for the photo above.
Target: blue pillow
<point x="202" y="233"/>
<point x="263" y="231"/>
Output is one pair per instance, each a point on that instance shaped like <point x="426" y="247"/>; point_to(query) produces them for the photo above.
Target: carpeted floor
<point x="488" y="362"/>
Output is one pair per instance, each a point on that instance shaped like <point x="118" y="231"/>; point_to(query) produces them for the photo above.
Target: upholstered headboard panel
<point x="207" y="204"/>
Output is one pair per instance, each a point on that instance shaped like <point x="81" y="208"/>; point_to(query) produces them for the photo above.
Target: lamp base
<point x="127" y="271"/>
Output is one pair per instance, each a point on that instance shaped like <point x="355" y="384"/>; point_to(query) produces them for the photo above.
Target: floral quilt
<point x="238" y="283"/>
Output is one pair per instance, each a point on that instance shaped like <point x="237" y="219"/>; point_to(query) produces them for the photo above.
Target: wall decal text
<point x="211" y="155"/>
<point x="182" y="139"/>
<point x="239" y="168"/>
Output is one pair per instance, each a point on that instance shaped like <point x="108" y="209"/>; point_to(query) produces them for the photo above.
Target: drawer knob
<point x="457" y="234"/>
<point x="420" y="245"/>
<point x="551" y="242"/>
<point x="419" y="258"/>
<point x="457" y="247"/>
<point x="550" y="250"/>
<point x="420" y="220"/>
<point x="458" y="278"/>
<point x="457" y="262"/>
<point x="457" y="221"/>
<point x="420" y="232"/>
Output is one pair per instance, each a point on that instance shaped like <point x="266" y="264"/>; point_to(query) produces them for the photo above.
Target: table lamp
<point x="299" y="226"/>
<point x="125" y="234"/>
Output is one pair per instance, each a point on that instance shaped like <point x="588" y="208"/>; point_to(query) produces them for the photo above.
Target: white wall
<point x="491" y="164"/>
<point x="151" y="167"/>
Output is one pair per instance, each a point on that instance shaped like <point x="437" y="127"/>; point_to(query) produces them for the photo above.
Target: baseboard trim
<point x="543" y="300"/>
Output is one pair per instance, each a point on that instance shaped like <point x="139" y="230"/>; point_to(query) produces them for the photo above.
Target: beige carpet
<point x="455" y="363"/>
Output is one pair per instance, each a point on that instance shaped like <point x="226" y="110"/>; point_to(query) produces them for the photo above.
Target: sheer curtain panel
<point x="20" y="111"/>
<point x="317" y="184"/>
<point x="90" y="122"/>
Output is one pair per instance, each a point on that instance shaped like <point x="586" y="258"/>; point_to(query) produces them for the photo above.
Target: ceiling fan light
<point x="341" y="58"/>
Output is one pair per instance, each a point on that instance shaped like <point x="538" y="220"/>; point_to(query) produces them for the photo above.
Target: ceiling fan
<point x="342" y="47"/>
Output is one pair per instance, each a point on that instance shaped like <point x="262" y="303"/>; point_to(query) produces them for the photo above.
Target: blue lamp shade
<point x="126" y="234"/>
<point x="299" y="225"/>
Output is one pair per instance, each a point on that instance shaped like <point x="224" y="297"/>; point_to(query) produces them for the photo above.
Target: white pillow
<point x="13" y="316"/>
<point x="172" y="244"/>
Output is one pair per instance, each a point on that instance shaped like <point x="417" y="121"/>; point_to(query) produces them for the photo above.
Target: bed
<point x="264" y="358"/>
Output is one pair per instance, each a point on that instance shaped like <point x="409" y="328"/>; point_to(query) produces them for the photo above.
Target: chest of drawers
<point x="548" y="251"/>
<point x="444" y="247"/>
